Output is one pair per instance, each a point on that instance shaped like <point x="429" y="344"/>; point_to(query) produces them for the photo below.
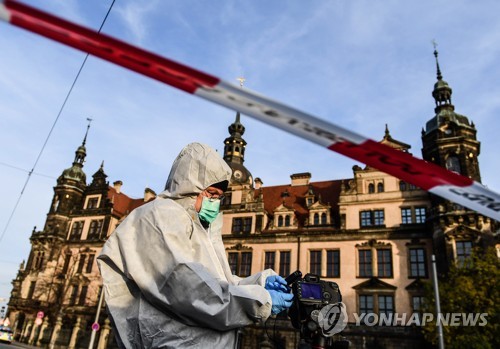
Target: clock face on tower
<point x="238" y="174"/>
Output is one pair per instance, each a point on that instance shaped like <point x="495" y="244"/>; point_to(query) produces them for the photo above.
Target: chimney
<point x="149" y="194"/>
<point x="300" y="178"/>
<point x="258" y="183"/>
<point x="118" y="186"/>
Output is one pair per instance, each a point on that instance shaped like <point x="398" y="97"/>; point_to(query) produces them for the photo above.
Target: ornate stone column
<point x="32" y="334"/>
<point x="45" y="324"/>
<point x="103" y="336"/>
<point x="74" y="334"/>
<point x="14" y="315"/>
<point x="26" y="330"/>
<point x="55" y="332"/>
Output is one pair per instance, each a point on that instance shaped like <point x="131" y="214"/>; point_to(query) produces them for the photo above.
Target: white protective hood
<point x="196" y="168"/>
<point x="166" y="279"/>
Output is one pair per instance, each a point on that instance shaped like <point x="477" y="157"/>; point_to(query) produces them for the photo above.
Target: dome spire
<point x="75" y="172"/>
<point x="87" y="132"/>
<point x="81" y="152"/>
<point x="439" y="75"/>
<point x="234" y="145"/>
<point x="234" y="150"/>
<point x="442" y="91"/>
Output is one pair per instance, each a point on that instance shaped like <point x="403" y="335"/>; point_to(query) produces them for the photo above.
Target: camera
<point x="317" y="311"/>
<point x="313" y="291"/>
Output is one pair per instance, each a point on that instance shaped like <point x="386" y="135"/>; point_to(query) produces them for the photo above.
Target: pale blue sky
<point x="358" y="64"/>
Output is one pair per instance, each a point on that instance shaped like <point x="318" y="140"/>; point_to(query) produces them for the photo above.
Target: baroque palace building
<point x="372" y="233"/>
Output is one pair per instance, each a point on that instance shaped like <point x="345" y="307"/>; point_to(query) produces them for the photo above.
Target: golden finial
<point x="434" y="43"/>
<point x="242" y="81"/>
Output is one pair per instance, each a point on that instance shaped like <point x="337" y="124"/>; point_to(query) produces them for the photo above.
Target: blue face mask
<point x="209" y="209"/>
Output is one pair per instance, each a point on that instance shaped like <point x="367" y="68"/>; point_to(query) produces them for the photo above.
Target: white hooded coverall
<point x="167" y="281"/>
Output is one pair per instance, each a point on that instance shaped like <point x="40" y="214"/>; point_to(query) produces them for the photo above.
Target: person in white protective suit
<point x="167" y="281"/>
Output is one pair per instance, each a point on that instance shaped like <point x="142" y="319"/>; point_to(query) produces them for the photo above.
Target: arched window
<point x="323" y="218"/>
<point x="237" y="149"/>
<point x="453" y="164"/>
<point x="380" y="187"/>
<point x="316" y="219"/>
<point x="371" y="188"/>
<point x="56" y="203"/>
<point x="39" y="259"/>
<point x="280" y="221"/>
<point x="287" y="221"/>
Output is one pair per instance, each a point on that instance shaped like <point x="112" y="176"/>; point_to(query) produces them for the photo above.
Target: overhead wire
<point x="24" y="170"/>
<point x="51" y="130"/>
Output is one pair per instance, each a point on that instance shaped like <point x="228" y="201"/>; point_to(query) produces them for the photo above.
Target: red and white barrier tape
<point x="425" y="175"/>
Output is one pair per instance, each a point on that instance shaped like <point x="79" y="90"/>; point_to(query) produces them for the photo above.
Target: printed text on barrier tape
<point x="404" y="166"/>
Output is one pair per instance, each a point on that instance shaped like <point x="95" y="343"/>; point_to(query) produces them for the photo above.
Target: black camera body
<point x="313" y="291"/>
<point x="311" y="294"/>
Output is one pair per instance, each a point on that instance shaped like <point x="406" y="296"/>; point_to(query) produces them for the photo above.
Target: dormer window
<point x="284" y="217"/>
<point x="320" y="218"/>
<point x="319" y="214"/>
<point x="284" y="220"/>
<point x="287" y="221"/>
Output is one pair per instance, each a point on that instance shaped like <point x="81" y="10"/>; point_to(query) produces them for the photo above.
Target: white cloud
<point x="135" y="15"/>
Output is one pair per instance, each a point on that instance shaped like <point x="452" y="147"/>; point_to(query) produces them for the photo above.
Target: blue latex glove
<point x="281" y="301"/>
<point x="277" y="283"/>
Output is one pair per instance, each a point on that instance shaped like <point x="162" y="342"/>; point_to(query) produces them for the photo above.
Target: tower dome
<point x="442" y="91"/>
<point x="75" y="172"/>
<point x="234" y="154"/>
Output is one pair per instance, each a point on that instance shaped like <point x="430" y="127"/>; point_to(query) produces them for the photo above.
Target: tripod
<point x="311" y="337"/>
